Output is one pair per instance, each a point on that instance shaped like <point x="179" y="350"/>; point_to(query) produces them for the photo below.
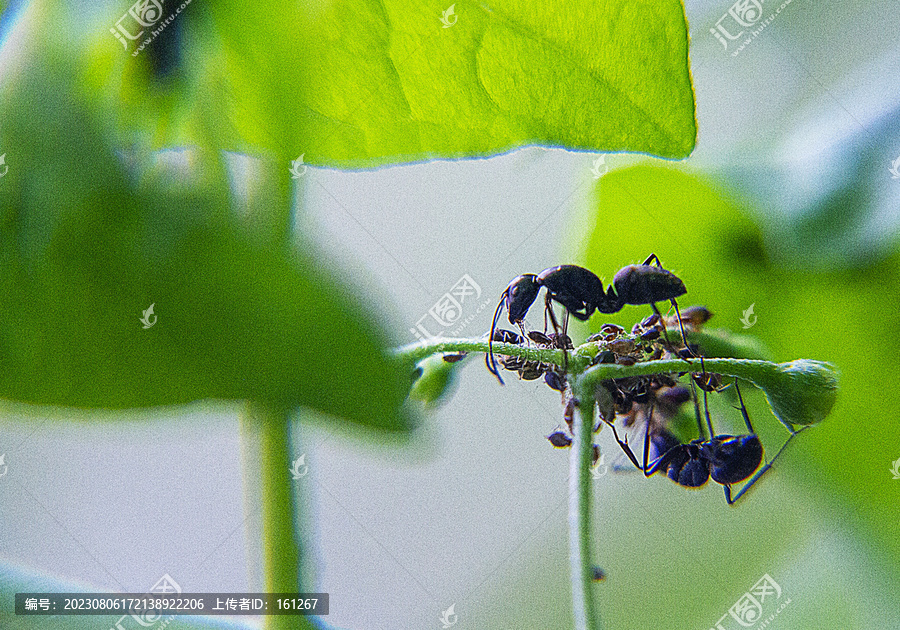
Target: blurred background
<point x="788" y="203"/>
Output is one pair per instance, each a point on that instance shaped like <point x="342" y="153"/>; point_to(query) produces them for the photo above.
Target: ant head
<point x="734" y="458"/>
<point x="646" y="284"/>
<point x="520" y="295"/>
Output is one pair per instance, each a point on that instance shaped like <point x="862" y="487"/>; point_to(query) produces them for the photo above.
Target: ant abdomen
<point x="646" y="284"/>
<point x="734" y="458"/>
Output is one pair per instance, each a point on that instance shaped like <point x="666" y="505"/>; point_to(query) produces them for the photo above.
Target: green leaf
<point x="87" y="245"/>
<point x="360" y="84"/>
<point x="800" y="392"/>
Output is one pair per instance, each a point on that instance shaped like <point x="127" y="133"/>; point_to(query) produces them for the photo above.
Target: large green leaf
<point x="353" y="83"/>
<point x="87" y="245"/>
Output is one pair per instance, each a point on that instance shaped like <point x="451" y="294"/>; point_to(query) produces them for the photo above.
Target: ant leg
<point x="697" y="412"/>
<point x="650" y="469"/>
<point x="665" y="329"/>
<point x="761" y="471"/>
<point x="548" y="308"/>
<point x="681" y="325"/>
<point x="653" y="257"/>
<point x="623" y="445"/>
<point x="744" y="409"/>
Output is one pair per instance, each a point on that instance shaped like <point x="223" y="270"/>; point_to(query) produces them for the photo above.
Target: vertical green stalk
<point x="270" y="428"/>
<point x="584" y="606"/>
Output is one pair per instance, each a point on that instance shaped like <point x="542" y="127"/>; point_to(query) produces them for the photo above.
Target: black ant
<point x="581" y="292"/>
<point x="728" y="459"/>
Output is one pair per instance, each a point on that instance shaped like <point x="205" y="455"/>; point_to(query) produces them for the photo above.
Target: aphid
<point x="532" y="370"/>
<point x="605" y="356"/>
<point x="693" y="316"/>
<point x="555" y="381"/>
<point x="540" y="338"/>
<point x="707" y="381"/>
<point x="559" y="439"/>
<point x="621" y="346"/>
<point x="650" y="335"/>
<point x="561" y="341"/>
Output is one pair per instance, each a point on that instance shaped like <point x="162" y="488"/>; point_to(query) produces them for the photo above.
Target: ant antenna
<point x="489" y="357"/>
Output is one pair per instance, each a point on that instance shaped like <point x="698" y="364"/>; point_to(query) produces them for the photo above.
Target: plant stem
<point x="270" y="427"/>
<point x="584" y="606"/>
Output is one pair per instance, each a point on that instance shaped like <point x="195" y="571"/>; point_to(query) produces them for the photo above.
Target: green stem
<point x="799" y="392"/>
<point x="584" y="606"/>
<point x="415" y="352"/>
<point x="270" y="427"/>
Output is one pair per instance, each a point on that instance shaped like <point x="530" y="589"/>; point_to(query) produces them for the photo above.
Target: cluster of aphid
<point x="640" y="401"/>
<point x="531" y="370"/>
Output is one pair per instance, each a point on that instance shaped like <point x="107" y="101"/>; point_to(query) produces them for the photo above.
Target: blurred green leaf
<point x="435" y="378"/>
<point x="358" y="84"/>
<point x="830" y="184"/>
<point x="87" y="245"/>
